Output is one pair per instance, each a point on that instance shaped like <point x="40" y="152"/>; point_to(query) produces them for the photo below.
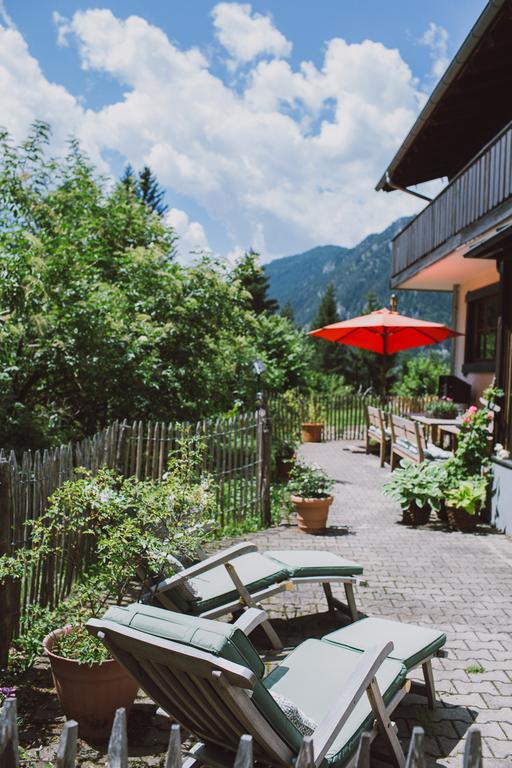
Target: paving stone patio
<point x="460" y="583"/>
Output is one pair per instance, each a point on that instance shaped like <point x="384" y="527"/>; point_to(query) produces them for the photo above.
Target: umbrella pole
<point x="383" y="375"/>
<point x="384" y="365"/>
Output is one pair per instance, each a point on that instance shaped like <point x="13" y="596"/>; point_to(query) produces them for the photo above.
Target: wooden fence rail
<point x="236" y="454"/>
<point x="342" y="415"/>
<point x="117" y="755"/>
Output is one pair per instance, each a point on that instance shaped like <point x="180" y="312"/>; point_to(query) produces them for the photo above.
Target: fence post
<point x="264" y="434"/>
<point x="8" y="612"/>
<point x="9" y="745"/>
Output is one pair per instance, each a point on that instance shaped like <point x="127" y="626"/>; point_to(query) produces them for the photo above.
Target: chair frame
<point x="211" y="697"/>
<point x="375" y="417"/>
<point x="245" y="598"/>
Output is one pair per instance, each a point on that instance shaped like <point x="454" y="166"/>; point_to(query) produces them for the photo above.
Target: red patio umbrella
<point x="386" y="332"/>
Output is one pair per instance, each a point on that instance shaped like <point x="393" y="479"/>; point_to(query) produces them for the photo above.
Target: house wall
<point x="478" y="381"/>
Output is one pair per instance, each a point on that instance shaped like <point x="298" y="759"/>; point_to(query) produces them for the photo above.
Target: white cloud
<point x="192" y="238"/>
<point x="287" y="163"/>
<point x="246" y="35"/>
<point x="5" y="19"/>
<point x="63" y="29"/>
<point x="435" y="38"/>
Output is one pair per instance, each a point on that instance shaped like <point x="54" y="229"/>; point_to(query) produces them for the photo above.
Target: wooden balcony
<point x="479" y="197"/>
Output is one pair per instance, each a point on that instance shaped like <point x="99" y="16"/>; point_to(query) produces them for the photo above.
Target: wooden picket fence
<point x="342" y="415"/>
<point x="117" y="754"/>
<point x="236" y="454"/>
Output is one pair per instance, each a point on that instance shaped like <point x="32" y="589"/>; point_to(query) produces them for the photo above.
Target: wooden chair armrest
<point x="360" y="679"/>
<point x="205" y="565"/>
<point x="250" y="619"/>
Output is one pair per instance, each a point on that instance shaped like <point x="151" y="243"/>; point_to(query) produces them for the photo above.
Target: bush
<point x="419" y="376"/>
<point x="130" y="526"/>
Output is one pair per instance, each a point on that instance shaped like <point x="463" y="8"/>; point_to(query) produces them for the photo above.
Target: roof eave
<point x="454" y="68"/>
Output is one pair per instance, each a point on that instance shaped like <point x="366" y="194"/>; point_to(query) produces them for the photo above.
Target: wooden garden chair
<point x="207" y="676"/>
<point x="408" y="442"/>
<point x="240" y="577"/>
<point x="376" y="430"/>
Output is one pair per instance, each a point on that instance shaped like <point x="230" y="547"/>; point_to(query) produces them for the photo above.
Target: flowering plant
<point x="308" y="482"/>
<point x="129" y="526"/>
<point x="472" y="452"/>
<point x="7" y="692"/>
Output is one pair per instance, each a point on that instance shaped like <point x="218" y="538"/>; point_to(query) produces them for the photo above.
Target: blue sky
<point x="268" y="123"/>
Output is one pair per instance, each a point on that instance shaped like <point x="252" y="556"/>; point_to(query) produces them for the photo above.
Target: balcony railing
<point x="481" y="186"/>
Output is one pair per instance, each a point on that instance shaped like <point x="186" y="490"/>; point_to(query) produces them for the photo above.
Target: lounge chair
<point x="240" y="576"/>
<point x="207" y="676"/>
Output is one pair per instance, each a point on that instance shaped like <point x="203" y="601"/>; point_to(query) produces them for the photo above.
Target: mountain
<point x="303" y="278"/>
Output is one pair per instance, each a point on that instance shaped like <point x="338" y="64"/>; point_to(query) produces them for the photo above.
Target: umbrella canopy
<point x="385" y="331"/>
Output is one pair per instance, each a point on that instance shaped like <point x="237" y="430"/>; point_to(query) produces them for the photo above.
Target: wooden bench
<point x="376" y="430"/>
<point x="407" y="440"/>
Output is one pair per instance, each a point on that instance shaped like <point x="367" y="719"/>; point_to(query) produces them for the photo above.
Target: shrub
<point x="308" y="482"/>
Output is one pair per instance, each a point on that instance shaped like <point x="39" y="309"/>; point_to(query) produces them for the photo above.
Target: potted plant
<point x="417" y="488"/>
<point x="129" y="527"/>
<point x="89" y="683"/>
<point x="313" y="426"/>
<point x="464" y="501"/>
<point x="309" y="493"/>
<point x="443" y="408"/>
<point x="284" y="454"/>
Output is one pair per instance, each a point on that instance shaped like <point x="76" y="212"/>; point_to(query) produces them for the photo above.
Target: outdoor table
<point x="433" y="425"/>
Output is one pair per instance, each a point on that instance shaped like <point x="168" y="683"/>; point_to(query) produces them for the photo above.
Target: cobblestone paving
<point x="459" y="583"/>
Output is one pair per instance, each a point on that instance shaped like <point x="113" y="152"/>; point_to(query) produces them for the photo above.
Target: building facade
<point x="462" y="240"/>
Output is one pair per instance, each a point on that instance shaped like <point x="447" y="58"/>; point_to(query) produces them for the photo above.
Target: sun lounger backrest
<point x="208" y="695"/>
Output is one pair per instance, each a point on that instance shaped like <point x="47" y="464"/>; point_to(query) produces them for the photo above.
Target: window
<point x="481" y="329"/>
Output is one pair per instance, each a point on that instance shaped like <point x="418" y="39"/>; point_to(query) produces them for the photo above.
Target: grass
<point x="475" y="669"/>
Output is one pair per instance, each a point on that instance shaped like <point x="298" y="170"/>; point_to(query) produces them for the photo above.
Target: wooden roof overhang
<point x="470" y="105"/>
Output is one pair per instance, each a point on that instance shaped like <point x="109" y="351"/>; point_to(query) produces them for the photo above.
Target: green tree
<point x="97" y="320"/>
<point x="253" y="279"/>
<point x="329" y="357"/>
<point x="287" y="311"/>
<point x="419" y="375"/>
<point x="151" y="192"/>
<point x="145" y="187"/>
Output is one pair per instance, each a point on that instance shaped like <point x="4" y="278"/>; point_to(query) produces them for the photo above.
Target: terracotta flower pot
<point x="90" y="694"/>
<point x="462" y="520"/>
<point x="312" y="513"/>
<point x="416" y="515"/>
<point x="312" y="431"/>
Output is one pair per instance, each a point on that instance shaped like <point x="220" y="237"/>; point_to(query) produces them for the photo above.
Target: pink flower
<point x="490" y="415"/>
<point x="467" y="419"/>
<point x="472" y="409"/>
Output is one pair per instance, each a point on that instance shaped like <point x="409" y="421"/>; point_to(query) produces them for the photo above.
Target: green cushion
<point x="313" y="676"/>
<point x="412" y="644"/>
<point x="313" y="562"/>
<point x="216" y="637"/>
<point x="216" y="588"/>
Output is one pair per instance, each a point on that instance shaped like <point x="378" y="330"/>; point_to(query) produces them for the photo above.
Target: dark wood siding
<point x="482" y="186"/>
